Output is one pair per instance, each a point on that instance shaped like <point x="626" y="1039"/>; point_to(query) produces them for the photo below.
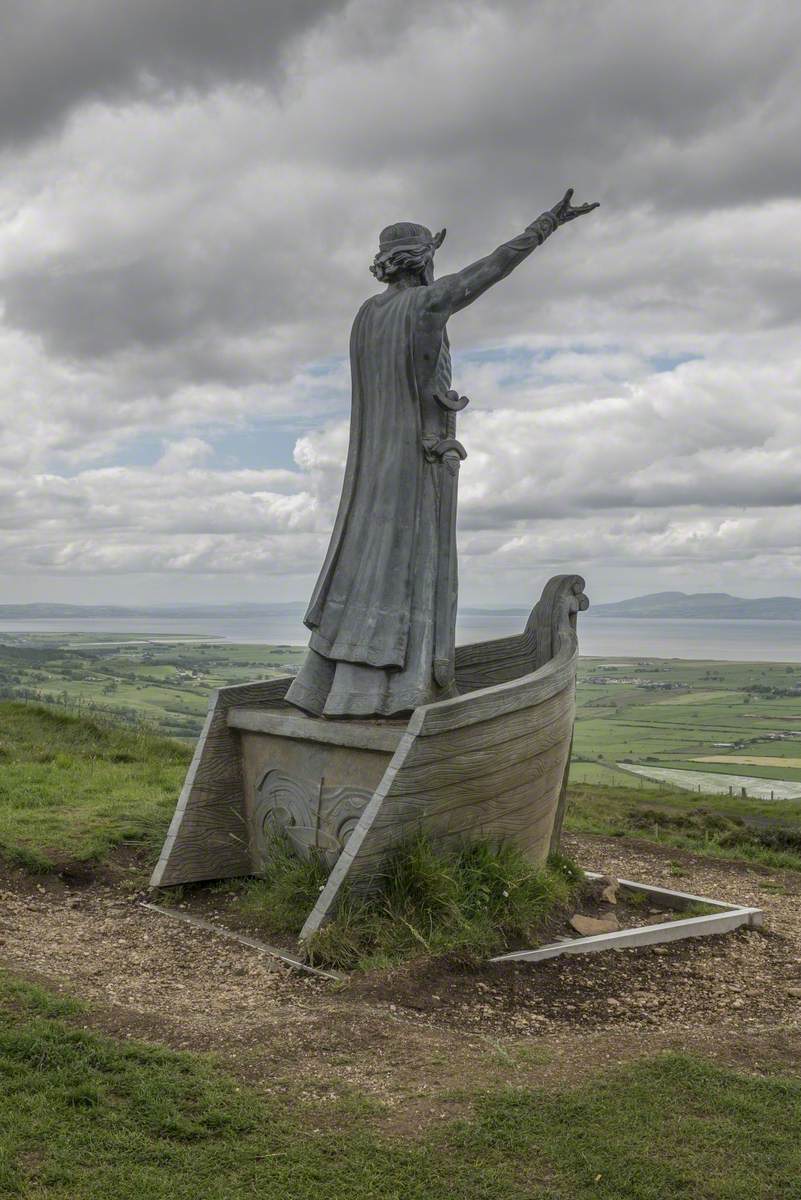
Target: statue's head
<point x="406" y="249"/>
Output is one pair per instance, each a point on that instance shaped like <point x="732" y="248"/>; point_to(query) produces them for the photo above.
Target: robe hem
<point x="353" y="652"/>
<point x="357" y="704"/>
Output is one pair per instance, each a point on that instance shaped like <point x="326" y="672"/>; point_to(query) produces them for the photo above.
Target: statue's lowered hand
<point x="564" y="211"/>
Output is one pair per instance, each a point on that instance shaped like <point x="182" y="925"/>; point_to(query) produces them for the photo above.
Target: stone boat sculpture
<point x="490" y="763"/>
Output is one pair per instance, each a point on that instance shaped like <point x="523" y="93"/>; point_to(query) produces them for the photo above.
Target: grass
<point x="764" y="832"/>
<point x="283" y="899"/>
<point x="84" y="1117"/>
<point x="469" y="902"/>
<point x="73" y="789"/>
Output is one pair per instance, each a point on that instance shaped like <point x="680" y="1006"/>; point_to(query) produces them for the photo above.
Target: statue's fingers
<point x="568" y="196"/>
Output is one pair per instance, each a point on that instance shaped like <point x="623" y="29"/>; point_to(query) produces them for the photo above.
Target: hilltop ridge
<point x="717" y="606"/>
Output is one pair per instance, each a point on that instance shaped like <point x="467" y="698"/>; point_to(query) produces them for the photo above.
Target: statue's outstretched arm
<point x="454" y="292"/>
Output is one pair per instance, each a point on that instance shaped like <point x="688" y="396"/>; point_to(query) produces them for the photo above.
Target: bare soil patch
<point x="411" y="1037"/>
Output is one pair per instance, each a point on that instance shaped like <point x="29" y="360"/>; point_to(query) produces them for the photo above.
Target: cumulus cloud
<point x="189" y="202"/>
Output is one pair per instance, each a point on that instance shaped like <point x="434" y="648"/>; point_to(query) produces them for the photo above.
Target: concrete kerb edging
<point x="726" y="918"/>
<point x="255" y="944"/>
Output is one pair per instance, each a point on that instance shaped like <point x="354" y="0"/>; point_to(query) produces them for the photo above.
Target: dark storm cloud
<point x="56" y="55"/>
<point x="661" y="112"/>
<point x="588" y="86"/>
<point x="154" y="301"/>
<point x="186" y="227"/>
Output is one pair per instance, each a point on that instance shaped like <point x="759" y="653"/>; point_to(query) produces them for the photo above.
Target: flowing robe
<point x="371" y="615"/>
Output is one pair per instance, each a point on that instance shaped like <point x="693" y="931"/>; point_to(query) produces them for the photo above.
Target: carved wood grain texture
<point x="375" y="736"/>
<point x="482" y="664"/>
<point x="465" y="810"/>
<point x="501" y="698"/>
<point x="491" y="763"/>
<point x="494" y="732"/>
<point x="208" y="838"/>
<point x="561" y="806"/>
<point x="468" y="770"/>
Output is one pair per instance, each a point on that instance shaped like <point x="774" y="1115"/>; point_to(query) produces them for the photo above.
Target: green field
<point x="134" y="680"/>
<point x="74" y="789"/>
<point x="673" y="713"/>
<point x="646" y="712"/>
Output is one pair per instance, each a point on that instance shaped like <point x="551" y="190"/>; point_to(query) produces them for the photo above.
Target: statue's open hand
<point x="564" y="211"/>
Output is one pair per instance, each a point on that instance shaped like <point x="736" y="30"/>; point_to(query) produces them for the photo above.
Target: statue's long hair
<point x="388" y="265"/>
<point x="413" y="253"/>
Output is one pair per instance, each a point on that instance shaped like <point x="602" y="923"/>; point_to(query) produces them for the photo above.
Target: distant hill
<point x="27" y="612"/>
<point x="24" y="612"/>
<point x="713" y="606"/>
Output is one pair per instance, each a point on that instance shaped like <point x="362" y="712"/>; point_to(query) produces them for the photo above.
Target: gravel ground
<point x="409" y="1036"/>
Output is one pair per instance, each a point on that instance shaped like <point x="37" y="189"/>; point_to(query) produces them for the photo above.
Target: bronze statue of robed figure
<point x="479" y="742"/>
<point x="383" y="614"/>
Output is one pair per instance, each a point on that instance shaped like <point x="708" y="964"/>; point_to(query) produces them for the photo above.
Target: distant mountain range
<point x="713" y="606"/>
<point x="289" y="608"/>
<point x="15" y="612"/>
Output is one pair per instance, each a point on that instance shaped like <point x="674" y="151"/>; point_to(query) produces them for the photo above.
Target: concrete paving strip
<point x="727" y="917"/>
<point x="254" y="943"/>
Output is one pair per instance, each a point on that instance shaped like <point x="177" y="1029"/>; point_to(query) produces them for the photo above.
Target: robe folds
<point x="371" y="615"/>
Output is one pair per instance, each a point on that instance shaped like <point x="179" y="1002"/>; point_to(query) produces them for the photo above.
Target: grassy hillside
<point x="766" y="832"/>
<point x="73" y="789"/>
<point x="135" y="680"/>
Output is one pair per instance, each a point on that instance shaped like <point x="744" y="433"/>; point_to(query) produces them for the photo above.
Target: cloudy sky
<point x="190" y="198"/>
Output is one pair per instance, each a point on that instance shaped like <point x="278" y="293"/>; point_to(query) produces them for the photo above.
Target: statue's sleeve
<point x="532" y="236"/>
<point x="454" y="292"/>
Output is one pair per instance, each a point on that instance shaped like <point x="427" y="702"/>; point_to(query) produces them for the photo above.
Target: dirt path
<point x="412" y="1037"/>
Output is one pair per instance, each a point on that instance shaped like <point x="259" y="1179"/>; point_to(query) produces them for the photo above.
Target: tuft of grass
<point x="85" y="1117"/>
<point x="728" y="827"/>
<point x="283" y="898"/>
<point x="17" y="995"/>
<point x="469" y="901"/>
<point x="73" y="788"/>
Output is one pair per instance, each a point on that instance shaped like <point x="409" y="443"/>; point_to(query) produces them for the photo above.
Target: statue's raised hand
<point x="564" y="211"/>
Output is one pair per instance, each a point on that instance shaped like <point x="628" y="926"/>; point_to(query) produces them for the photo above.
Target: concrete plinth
<point x="308" y="778"/>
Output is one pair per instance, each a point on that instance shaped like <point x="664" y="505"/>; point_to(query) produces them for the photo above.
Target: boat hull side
<point x="208" y="836"/>
<point x="489" y="764"/>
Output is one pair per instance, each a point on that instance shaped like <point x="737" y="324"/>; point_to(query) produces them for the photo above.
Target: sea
<point x="600" y="637"/>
